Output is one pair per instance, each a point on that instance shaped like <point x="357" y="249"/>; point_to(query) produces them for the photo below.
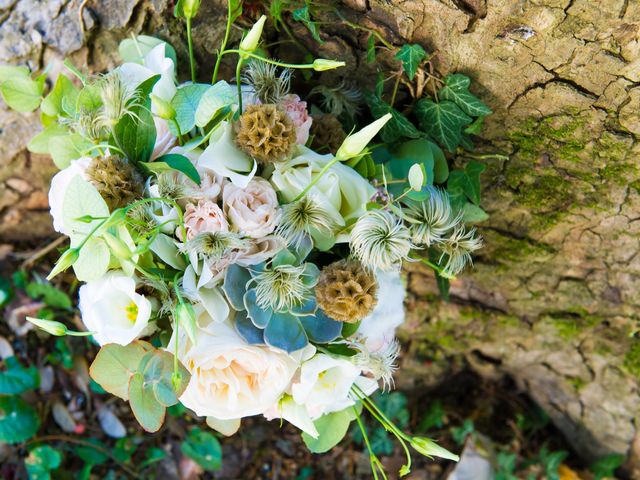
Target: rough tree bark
<point x="553" y="299"/>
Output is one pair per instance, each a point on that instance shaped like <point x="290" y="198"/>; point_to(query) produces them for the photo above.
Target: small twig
<point x="80" y="17"/>
<point x="42" y="252"/>
<point x="104" y="451"/>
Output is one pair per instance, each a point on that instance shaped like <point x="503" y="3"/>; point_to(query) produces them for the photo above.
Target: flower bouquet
<point x="226" y="265"/>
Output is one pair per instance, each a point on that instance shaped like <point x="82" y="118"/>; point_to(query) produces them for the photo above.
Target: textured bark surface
<point x="554" y="298"/>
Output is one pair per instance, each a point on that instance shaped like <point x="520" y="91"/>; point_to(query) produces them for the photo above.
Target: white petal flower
<point x="111" y="307"/>
<point x="154" y="63"/>
<point x="59" y="184"/>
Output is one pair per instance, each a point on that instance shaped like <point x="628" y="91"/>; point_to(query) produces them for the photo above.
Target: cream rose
<point x="204" y="217"/>
<point x="112" y="309"/>
<point x="341" y="191"/>
<point x="253" y="210"/>
<point x="229" y="378"/>
<point x="297" y="111"/>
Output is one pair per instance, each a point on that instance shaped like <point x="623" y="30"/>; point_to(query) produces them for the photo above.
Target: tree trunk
<point x="553" y="298"/>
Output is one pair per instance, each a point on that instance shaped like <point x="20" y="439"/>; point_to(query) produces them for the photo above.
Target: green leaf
<point x="473" y="170"/>
<point x="134" y="50"/>
<point x="443" y="286"/>
<point x="606" y="466"/>
<point x="18" y="420"/>
<point x="371" y="49"/>
<point x="52" y="104"/>
<point x="41" y="461"/>
<point x="64" y="148"/>
<point x="433" y="417"/>
<point x="444" y="121"/>
<point x="158" y="375"/>
<point x="440" y="164"/>
<point x="411" y="152"/>
<point x="22" y="94"/>
<point x="40" y="142"/>
<point x="186" y="102"/>
<point x="115" y="364"/>
<point x="173" y="161"/>
<point x="456" y="89"/>
<point x="411" y="55"/>
<point x="135" y="134"/>
<point x="397" y="127"/>
<point x="302" y="15"/>
<point x="331" y="428"/>
<point x="285" y="332"/>
<point x="146" y="408"/>
<point x="7" y="72"/>
<point x="52" y="296"/>
<point x="473" y="214"/>
<point x="212" y="101"/>
<point x="204" y="448"/>
<point x="17" y="379"/>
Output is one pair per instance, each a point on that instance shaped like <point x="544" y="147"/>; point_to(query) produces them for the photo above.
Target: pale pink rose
<point x="204" y="217"/>
<point x="253" y="211"/>
<point x="209" y="189"/>
<point x="297" y="111"/>
<point x="260" y="250"/>
<point x="165" y="140"/>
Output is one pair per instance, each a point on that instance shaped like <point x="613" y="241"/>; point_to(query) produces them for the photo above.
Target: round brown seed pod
<point x="346" y="291"/>
<point x="117" y="181"/>
<point x="327" y="133"/>
<point x="266" y="132"/>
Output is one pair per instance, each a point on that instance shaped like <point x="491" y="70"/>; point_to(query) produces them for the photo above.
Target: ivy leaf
<point x="444" y="121"/>
<point x="473" y="170"/>
<point x="397" y="127"/>
<point x="135" y="134"/>
<point x="18" y="420"/>
<point x="302" y="15"/>
<point x="411" y="55"/>
<point x="331" y="428"/>
<point x="456" y="89"/>
<point x="204" y="448"/>
<point x="473" y="214"/>
<point x="371" y="49"/>
<point x="173" y="161"/>
<point x="17" y="379"/>
<point x="606" y="466"/>
<point x="52" y="296"/>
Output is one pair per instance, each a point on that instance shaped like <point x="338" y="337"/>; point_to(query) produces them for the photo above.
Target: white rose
<point x="378" y="328"/>
<point x="325" y="385"/>
<point x="229" y="378"/>
<point x="341" y="190"/>
<point x="59" y="184"/>
<point x="252" y="210"/>
<point x="112" y="309"/>
<point x="155" y="62"/>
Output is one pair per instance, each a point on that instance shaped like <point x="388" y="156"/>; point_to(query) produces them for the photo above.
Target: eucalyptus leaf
<point x="331" y="428"/>
<point x="145" y="407"/>
<point x="285" y="332"/>
<point x="212" y="101"/>
<point x="40" y="142"/>
<point x="115" y="364"/>
<point x="186" y="102"/>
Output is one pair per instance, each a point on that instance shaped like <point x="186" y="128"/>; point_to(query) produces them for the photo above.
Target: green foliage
<point x="443" y="120"/>
<point x="212" y="101"/>
<point x="204" y="448"/>
<point x="52" y="103"/>
<point x="41" y="462"/>
<point x="186" y="102"/>
<point x="50" y="295"/>
<point x="16" y="378"/>
<point x="142" y="375"/>
<point x="465" y="183"/>
<point x="19" y="421"/>
<point x="456" y="89"/>
<point x="6" y="292"/>
<point x="461" y="433"/>
<point x="397" y="127"/>
<point x="411" y="56"/>
<point x="173" y="161"/>
<point x="134" y="50"/>
<point x="331" y="428"/>
<point x="135" y="134"/>
<point x="606" y="466"/>
<point x="433" y="417"/>
<point x="19" y="90"/>
<point x="394" y="407"/>
<point x="303" y="16"/>
<point x="64" y="148"/>
<point x="506" y="466"/>
<point x="551" y="462"/>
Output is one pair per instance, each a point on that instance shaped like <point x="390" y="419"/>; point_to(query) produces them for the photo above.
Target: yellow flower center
<point x="132" y="312"/>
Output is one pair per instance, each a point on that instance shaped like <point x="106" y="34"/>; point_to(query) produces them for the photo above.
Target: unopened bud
<point x="322" y="64"/>
<point x="429" y="448"/>
<point x="117" y="246"/>
<point x="163" y="108"/>
<point x="250" y="42"/>
<point x="50" y="326"/>
<point x="355" y="143"/>
<point x="68" y="258"/>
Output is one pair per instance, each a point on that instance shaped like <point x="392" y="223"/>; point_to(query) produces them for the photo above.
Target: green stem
<point x="488" y="156"/>
<point x="324" y="170"/>
<point x="239" y="85"/>
<point x="177" y="125"/>
<point x="429" y="264"/>
<point x="268" y="60"/>
<point x="373" y="32"/>
<point x="224" y="44"/>
<point x="165" y="200"/>
<point x="395" y="90"/>
<point x="191" y="57"/>
<point x="373" y="459"/>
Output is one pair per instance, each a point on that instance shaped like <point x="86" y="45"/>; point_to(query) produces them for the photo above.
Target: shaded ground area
<point x="464" y="412"/>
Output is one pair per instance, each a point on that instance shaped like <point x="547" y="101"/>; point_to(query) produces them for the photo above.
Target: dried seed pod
<point x="266" y="133"/>
<point x="117" y="181"/>
<point x="327" y="133"/>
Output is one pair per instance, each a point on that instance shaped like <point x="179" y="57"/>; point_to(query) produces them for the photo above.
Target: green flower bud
<point x="187" y="8"/>
<point x="50" y="326"/>
<point x="68" y="258"/>
<point x="355" y="143"/>
<point x="117" y="246"/>
<point x="429" y="448"/>
<point x="163" y="108"/>
<point x="250" y="42"/>
<point x="322" y="64"/>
